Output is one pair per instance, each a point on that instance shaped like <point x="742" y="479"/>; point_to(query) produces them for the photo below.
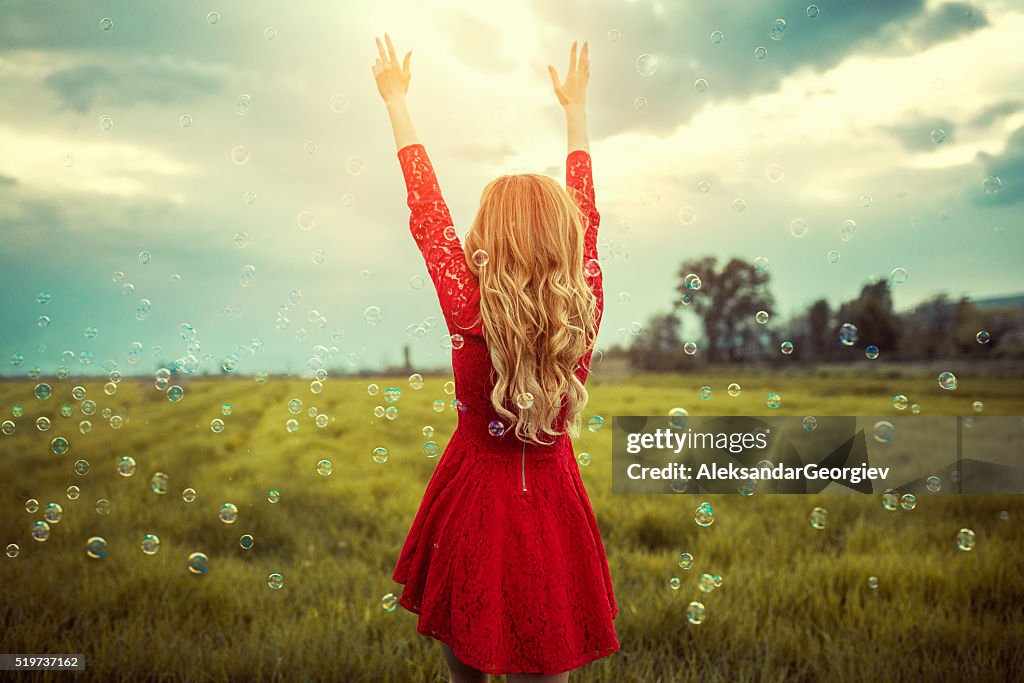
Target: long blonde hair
<point x="539" y="314"/>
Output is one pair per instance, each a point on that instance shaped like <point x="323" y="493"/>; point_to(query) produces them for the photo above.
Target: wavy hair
<point x="539" y="314"/>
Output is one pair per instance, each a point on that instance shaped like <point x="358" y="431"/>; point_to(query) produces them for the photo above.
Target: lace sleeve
<point x="579" y="182"/>
<point x="431" y="225"/>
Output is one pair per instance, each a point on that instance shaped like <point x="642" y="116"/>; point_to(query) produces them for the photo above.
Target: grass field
<point x="794" y="605"/>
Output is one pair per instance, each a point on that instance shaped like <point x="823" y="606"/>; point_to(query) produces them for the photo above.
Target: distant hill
<point x="1008" y="301"/>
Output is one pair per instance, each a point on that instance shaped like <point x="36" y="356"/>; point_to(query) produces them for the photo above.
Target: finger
<point x="585" y="56"/>
<point x="554" y="76"/>
<point x="380" y="50"/>
<point x="572" y="59"/>
<point x="391" y="48"/>
<point x="405" y="63"/>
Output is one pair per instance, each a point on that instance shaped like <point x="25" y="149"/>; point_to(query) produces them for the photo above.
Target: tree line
<point x="729" y="296"/>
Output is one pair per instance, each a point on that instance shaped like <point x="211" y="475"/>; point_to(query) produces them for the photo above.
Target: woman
<point x="504" y="563"/>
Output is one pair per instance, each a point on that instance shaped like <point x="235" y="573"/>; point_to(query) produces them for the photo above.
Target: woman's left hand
<point x="392" y="79"/>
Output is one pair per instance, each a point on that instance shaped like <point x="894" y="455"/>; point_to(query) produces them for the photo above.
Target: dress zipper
<point x="524" y="466"/>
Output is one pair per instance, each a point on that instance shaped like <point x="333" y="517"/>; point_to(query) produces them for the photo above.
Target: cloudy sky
<point x="842" y="106"/>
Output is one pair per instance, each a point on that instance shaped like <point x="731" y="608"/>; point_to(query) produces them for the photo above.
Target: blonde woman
<point x="504" y="563"/>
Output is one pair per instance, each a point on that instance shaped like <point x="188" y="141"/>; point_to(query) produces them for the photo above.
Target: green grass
<point x="794" y="605"/>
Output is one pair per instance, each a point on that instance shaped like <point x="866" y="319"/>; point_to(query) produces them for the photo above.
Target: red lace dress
<point x="504" y="560"/>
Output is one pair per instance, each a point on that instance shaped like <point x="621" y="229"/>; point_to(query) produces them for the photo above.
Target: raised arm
<point x="393" y="84"/>
<point x="579" y="178"/>
<point x="572" y="95"/>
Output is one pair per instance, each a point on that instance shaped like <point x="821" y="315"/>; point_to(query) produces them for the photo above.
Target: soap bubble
<point x="777" y="29"/>
<point x="992" y="184"/>
<point x="692" y="282"/>
<point x="983" y="337"/>
<point x="239" y="155"/>
<point x="686" y="215"/>
<point x="848" y="334"/>
<point x="798" y="227"/>
<point x="270" y="33"/>
<point x="786" y="348"/>
<point x="760" y="264"/>
<point x="948" y="381"/>
<point x="812" y="11"/>
<point x="158" y="484"/>
<point x="640" y="103"/>
<point x="734" y="389"/>
<point x="198" y="563"/>
<point x="898" y="276"/>
<point x="704" y="515"/>
<point x="106" y="23"/>
<point x="775" y="172"/>
<point x="717" y="37"/>
<point x="380" y="455"/>
<point x="96" y="547"/>
<point x="899" y="402"/>
<point x="613" y="36"/>
<point x="739" y="206"/>
<point x="934" y="484"/>
<point x="150" y="544"/>
<point x="595" y="424"/>
<point x="884" y="431"/>
<point x="871" y="352"/>
<point x="965" y="539"/>
<point x="646" y="64"/>
<point x="774" y="401"/>
<point x="849" y="227"/>
<point x="705" y="393"/>
<point x="213" y="17"/>
<point x="908" y="501"/>
<point x="819" y="518"/>
<point x="761" y="317"/>
<point x="978" y="406"/>
<point x="689" y="348"/>
<point x="354" y="165"/>
<point x="338" y="103"/>
<point x="810" y="423"/>
<point x="872" y="582"/>
<point x="938" y="136"/>
<point x="700" y="85"/>
<point x="832" y="256"/>
<point x="40" y="531"/>
<point x="228" y="513"/>
<point x="760" y="53"/>
<point x="695" y="612"/>
<point x="524" y="400"/>
<point x="53" y="513"/>
<point x="305" y="220"/>
<point x="324" y="468"/>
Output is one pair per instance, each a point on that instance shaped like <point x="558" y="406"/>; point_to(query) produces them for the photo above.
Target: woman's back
<point x="459" y="294"/>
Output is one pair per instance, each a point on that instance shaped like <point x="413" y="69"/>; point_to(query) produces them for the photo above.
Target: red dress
<point x="504" y="561"/>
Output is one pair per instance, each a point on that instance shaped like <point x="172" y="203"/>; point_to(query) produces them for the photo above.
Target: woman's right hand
<point x="574" y="90"/>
